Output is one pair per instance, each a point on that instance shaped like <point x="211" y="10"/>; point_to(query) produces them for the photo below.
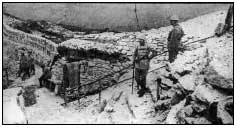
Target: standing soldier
<point x="141" y="59"/>
<point x="47" y="74"/>
<point x="174" y="38"/>
<point x="23" y="66"/>
<point x="31" y="63"/>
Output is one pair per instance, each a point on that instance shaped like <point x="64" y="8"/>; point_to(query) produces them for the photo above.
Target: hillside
<point x="203" y="92"/>
<point x="119" y="17"/>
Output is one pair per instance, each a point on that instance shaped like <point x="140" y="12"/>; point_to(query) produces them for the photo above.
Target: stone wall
<point x="39" y="44"/>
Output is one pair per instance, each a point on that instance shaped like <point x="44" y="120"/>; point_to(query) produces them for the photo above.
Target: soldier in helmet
<point x="174" y="38"/>
<point x="141" y="59"/>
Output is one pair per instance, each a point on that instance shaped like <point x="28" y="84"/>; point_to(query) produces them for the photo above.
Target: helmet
<point x="141" y="36"/>
<point x="174" y="17"/>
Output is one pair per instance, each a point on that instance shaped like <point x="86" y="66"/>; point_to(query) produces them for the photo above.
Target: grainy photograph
<point x="117" y="63"/>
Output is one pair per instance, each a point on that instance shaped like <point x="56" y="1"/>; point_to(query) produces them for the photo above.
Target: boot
<point x="141" y="93"/>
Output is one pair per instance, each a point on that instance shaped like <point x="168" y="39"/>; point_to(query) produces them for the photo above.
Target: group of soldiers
<point x="27" y="65"/>
<point x="143" y="54"/>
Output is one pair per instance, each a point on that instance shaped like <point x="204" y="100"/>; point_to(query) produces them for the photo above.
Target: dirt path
<point x="10" y="105"/>
<point x="121" y="107"/>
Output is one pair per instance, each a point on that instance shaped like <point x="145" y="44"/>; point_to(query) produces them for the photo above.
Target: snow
<point x="219" y="50"/>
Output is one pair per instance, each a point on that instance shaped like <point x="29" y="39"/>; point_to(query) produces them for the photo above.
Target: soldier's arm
<point x="169" y="36"/>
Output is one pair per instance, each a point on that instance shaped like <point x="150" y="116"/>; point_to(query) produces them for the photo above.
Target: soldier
<point x="47" y="74"/>
<point x="141" y="59"/>
<point x="174" y="38"/>
<point x="23" y="66"/>
<point x="31" y="63"/>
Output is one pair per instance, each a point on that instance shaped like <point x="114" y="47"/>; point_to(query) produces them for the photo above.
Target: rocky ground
<point x="195" y="89"/>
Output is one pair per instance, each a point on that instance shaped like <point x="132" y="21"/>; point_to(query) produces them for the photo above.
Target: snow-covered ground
<point x="118" y="105"/>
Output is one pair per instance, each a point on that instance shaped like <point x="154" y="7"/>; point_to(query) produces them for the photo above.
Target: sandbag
<point x="71" y="74"/>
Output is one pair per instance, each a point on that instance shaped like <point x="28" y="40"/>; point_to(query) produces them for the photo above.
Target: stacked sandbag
<point x="91" y="71"/>
<point x="82" y="49"/>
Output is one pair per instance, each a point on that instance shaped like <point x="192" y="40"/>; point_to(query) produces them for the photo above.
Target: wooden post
<point x="158" y="91"/>
<point x="99" y="92"/>
<point x="79" y="82"/>
<point x="7" y="77"/>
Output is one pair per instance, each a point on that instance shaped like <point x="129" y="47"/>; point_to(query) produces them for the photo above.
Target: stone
<point x="180" y="116"/>
<point x="163" y="105"/>
<point x="188" y="110"/>
<point x="177" y="97"/>
<point x="199" y="108"/>
<point x="213" y="78"/>
<point x="172" y="115"/>
<point x="167" y="82"/>
<point x="199" y="120"/>
<point x="223" y="105"/>
<point x="187" y="82"/>
<point x="207" y="94"/>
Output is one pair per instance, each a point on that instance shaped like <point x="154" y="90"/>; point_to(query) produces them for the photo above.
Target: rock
<point x="162" y="116"/>
<point x="188" y="110"/>
<point x="181" y="116"/>
<point x="225" y="110"/>
<point x="177" y="97"/>
<point x="207" y="94"/>
<point x="173" y="95"/>
<point x="172" y="116"/>
<point x="216" y="80"/>
<point x="199" y="108"/>
<point x="163" y="105"/>
<point x="199" y="120"/>
<point x="167" y="82"/>
<point x="187" y="82"/>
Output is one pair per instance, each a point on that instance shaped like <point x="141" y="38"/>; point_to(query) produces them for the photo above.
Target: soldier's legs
<point x="27" y="71"/>
<point x="172" y="54"/>
<point x="19" y="72"/>
<point x="23" y="77"/>
<point x="137" y="77"/>
<point x="41" y="80"/>
<point x="143" y="74"/>
<point x="32" y="69"/>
